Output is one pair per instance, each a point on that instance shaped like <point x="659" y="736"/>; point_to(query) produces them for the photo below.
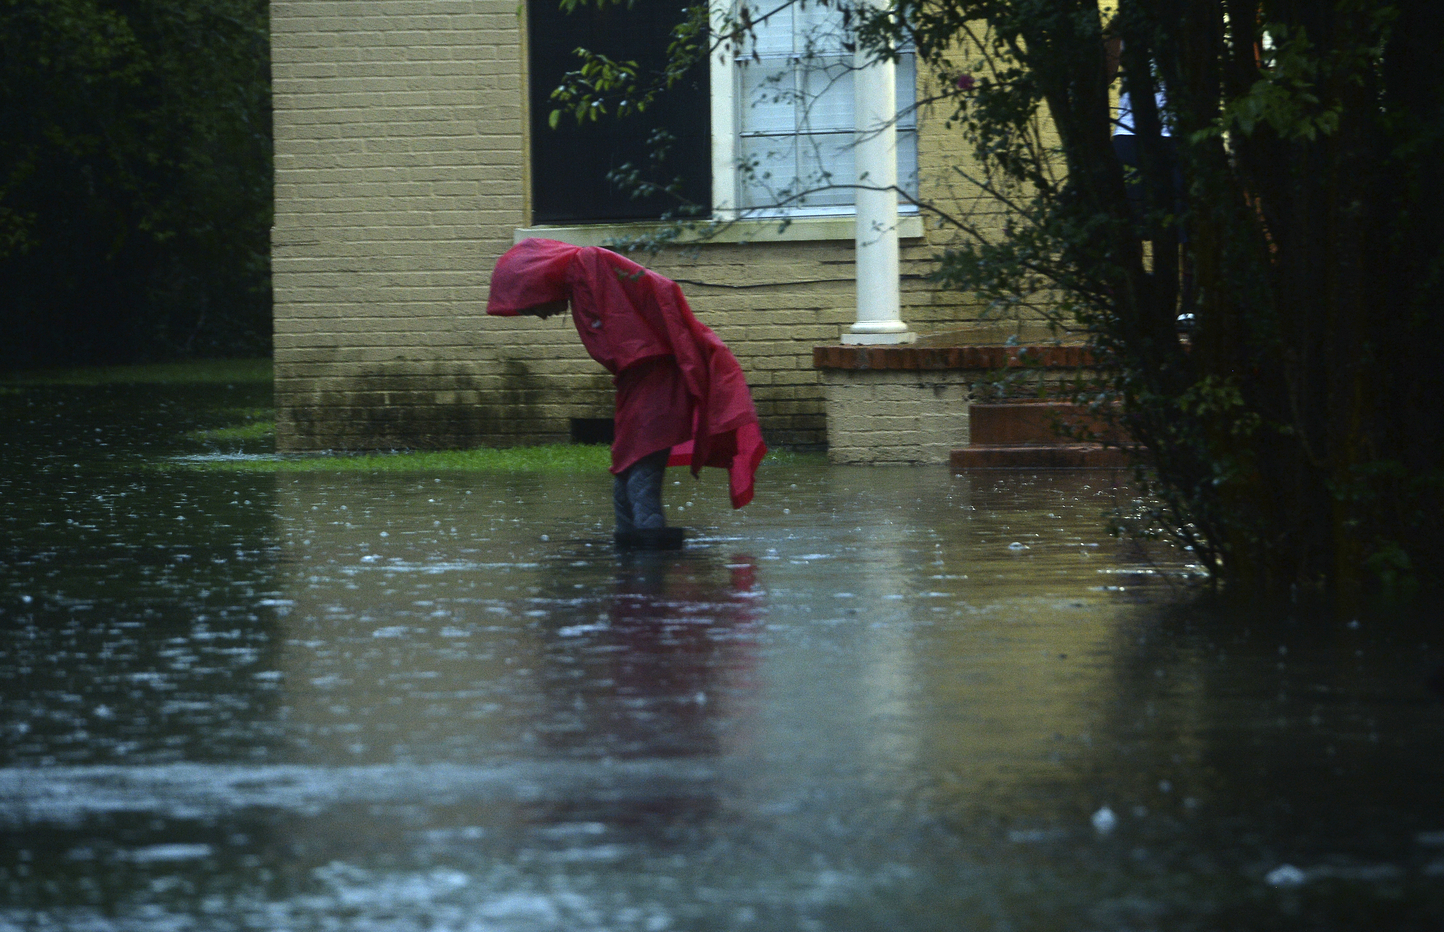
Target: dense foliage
<point x="1290" y="212"/>
<point x="135" y="179"/>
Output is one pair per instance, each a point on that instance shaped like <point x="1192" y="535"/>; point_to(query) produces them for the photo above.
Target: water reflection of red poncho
<point x="677" y="384"/>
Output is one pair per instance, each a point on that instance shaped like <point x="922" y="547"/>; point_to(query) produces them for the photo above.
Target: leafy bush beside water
<point x="135" y="180"/>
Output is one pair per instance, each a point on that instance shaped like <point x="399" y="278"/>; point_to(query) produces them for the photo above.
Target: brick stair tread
<point x="1032" y="422"/>
<point x="1039" y="456"/>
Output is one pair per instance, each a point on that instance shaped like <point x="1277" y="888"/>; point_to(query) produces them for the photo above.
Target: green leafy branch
<point x="603" y="86"/>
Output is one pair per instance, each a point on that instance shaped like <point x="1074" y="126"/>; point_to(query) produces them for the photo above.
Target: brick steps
<point x="1036" y="422"/>
<point x="1038" y="435"/>
<point x="952" y="357"/>
<point x="1039" y="456"/>
<point x="908" y="404"/>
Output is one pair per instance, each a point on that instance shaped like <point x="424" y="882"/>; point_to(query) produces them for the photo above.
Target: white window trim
<point x="801" y="229"/>
<point x="803" y="224"/>
<point x="726" y="132"/>
<point x="723" y="82"/>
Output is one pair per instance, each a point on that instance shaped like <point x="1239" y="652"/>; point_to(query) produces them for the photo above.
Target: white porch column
<point x="879" y="319"/>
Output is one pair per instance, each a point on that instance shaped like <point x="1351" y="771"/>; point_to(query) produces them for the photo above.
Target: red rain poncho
<point x="678" y="385"/>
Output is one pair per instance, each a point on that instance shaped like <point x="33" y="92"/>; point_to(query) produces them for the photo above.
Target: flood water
<point x="876" y="699"/>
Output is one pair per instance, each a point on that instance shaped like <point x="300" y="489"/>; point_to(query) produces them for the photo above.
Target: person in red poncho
<point x="681" y="396"/>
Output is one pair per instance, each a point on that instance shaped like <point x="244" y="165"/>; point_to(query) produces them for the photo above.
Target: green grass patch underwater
<point x="553" y="458"/>
<point x="259" y="428"/>
<point x="556" y="457"/>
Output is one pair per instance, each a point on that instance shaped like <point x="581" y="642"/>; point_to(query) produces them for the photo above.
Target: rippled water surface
<point x="874" y="699"/>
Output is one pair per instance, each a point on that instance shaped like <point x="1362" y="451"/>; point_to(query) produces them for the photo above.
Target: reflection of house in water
<point x="883" y="642"/>
<point x="427" y="624"/>
<point x="395" y="651"/>
<point x="652" y="674"/>
<point x="929" y="648"/>
<point x="658" y="673"/>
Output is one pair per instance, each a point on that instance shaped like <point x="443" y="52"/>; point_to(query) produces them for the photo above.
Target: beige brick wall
<point x="400" y="178"/>
<point x="895" y="417"/>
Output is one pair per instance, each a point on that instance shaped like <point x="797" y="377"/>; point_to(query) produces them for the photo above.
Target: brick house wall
<point x="401" y="176"/>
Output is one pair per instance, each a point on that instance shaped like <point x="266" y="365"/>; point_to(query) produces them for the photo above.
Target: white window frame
<point x="727" y="131"/>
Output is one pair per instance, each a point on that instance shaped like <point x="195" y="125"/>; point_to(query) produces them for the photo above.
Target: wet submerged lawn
<point x="242" y="695"/>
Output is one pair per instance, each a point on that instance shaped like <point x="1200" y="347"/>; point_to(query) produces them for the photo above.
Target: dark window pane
<point x="570" y="164"/>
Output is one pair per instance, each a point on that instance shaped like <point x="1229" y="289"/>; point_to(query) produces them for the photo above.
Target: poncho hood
<point x="532" y="272"/>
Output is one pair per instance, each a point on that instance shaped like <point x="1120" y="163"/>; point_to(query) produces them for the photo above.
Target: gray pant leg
<point x="644" y="490"/>
<point x="621" y="505"/>
<point x="637" y="493"/>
